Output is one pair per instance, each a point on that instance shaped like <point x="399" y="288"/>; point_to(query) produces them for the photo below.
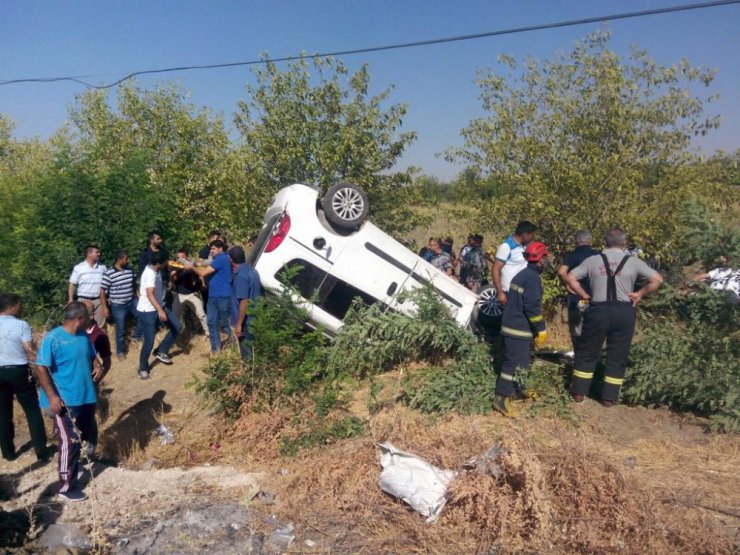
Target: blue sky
<point x="107" y="39"/>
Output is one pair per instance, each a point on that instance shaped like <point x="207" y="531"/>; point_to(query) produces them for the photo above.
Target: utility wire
<point x="555" y="25"/>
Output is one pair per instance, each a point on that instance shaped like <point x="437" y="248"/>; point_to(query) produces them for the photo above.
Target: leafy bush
<point x="687" y="357"/>
<point x="287" y="362"/>
<point x="373" y="340"/>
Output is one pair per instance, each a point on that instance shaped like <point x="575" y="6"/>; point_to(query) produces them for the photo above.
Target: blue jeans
<point x="121" y="313"/>
<point x="148" y="321"/>
<point x="218" y="311"/>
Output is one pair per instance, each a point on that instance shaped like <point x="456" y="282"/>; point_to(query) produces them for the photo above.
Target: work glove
<point x="540" y="339"/>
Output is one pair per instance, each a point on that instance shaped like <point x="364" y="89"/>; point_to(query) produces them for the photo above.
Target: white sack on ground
<point x="418" y="483"/>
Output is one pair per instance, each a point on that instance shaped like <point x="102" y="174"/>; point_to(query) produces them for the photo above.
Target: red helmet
<point x="535" y="251"/>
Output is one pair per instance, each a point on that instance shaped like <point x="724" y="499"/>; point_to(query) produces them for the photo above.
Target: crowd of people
<point x="220" y="288"/>
<point x="73" y="358"/>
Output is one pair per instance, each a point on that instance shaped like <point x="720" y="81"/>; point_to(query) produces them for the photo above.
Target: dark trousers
<point x="575" y="326"/>
<point x="516" y="356"/>
<point x="14" y="380"/>
<point x="615" y="323"/>
<point x="245" y="345"/>
<point x="149" y="322"/>
<point x="218" y="311"/>
<point x="73" y="426"/>
<point x="121" y="313"/>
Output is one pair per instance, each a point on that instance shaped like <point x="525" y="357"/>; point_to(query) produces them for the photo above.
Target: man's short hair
<point x="478" y="238"/>
<point x="525" y="226"/>
<point x="219" y="244"/>
<point x="215" y="233"/>
<point x="183" y="251"/>
<point x="615" y="237"/>
<point x="157" y="257"/>
<point x="237" y="255"/>
<point x="121" y="254"/>
<point x="583" y="237"/>
<point x="89" y="248"/>
<point x="74" y="310"/>
<point x="152" y="235"/>
<point x="8" y="300"/>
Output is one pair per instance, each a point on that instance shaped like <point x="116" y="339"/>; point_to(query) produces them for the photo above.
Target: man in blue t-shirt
<point x="218" y="308"/>
<point x="573" y="259"/>
<point x="68" y="355"/>
<point x="245" y="290"/>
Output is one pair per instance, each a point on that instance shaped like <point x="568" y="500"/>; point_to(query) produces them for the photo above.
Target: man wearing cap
<point x="245" y="290"/>
<point x="610" y="315"/>
<point x="522" y="322"/>
<point x="85" y="282"/>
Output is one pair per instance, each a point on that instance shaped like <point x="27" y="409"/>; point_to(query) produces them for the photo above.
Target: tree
<point x="318" y="124"/>
<point x="188" y="152"/>
<point x="588" y="140"/>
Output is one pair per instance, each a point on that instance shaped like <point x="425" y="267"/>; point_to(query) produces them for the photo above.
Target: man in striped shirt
<point x="118" y="289"/>
<point x="84" y="283"/>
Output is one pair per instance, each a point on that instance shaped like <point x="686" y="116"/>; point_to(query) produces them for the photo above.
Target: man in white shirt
<point x="509" y="259"/>
<point x="84" y="283"/>
<point x="723" y="279"/>
<point x="151" y="307"/>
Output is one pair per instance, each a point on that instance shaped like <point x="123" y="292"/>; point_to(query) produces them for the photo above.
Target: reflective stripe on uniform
<point x="613" y="381"/>
<point x="507" y="377"/>
<point x="583" y="375"/>
<point x="516" y="333"/>
<point x="517" y="288"/>
<point x="537" y="318"/>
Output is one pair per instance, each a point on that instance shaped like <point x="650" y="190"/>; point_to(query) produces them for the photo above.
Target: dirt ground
<point x="223" y="489"/>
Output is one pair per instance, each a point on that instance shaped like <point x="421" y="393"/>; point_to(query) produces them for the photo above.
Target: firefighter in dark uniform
<point x="522" y="322"/>
<point x="610" y="315"/>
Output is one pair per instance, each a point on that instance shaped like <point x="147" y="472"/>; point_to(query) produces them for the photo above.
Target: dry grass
<point x="560" y="494"/>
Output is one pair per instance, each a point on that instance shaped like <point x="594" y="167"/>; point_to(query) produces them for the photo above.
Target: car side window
<point x="307" y="279"/>
<point x="328" y="292"/>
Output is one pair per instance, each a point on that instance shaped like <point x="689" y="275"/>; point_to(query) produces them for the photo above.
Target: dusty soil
<point x="218" y="489"/>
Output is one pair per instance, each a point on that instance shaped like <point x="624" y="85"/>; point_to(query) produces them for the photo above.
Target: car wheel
<point x="489" y="309"/>
<point x="345" y="205"/>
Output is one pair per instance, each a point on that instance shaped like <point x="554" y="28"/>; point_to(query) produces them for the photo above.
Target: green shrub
<point x="687" y="357"/>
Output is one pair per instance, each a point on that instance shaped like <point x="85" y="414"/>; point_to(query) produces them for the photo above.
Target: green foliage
<point x="460" y="377"/>
<point x="547" y="385"/>
<point x="322" y="432"/>
<point x="586" y="140"/>
<point x="373" y="340"/>
<point x="316" y="123"/>
<point x="687" y="357"/>
<point x="707" y="233"/>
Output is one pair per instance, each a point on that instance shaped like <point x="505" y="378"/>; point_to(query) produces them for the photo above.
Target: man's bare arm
<point x="71" y="288"/>
<point x="43" y="375"/>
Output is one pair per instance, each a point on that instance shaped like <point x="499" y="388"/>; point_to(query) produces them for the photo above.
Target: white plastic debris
<point x="414" y="480"/>
<point x="166" y="437"/>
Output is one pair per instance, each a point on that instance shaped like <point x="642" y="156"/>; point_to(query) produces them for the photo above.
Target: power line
<point x="555" y="25"/>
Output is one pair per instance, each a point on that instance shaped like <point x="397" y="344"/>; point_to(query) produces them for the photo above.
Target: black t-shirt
<point x="187" y="282"/>
<point x="574" y="259"/>
<point x="205" y="252"/>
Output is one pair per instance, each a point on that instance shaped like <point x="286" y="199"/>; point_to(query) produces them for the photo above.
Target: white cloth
<point x="150" y="279"/>
<point x="87" y="279"/>
<point x="418" y="483"/>
<point x="725" y="279"/>
<point x="512" y="255"/>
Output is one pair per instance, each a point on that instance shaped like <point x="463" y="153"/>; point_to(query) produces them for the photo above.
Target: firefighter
<point x="521" y="323"/>
<point x="610" y="314"/>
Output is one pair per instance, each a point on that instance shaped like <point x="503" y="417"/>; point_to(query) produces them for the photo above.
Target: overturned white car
<point x="341" y="256"/>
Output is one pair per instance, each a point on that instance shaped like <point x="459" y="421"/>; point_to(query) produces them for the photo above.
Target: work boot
<point x="505" y="406"/>
<point x="608" y="404"/>
<point x="577" y="397"/>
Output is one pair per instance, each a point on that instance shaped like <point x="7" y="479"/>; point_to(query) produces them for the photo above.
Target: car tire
<point x="346" y="206"/>
<point x="489" y="310"/>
